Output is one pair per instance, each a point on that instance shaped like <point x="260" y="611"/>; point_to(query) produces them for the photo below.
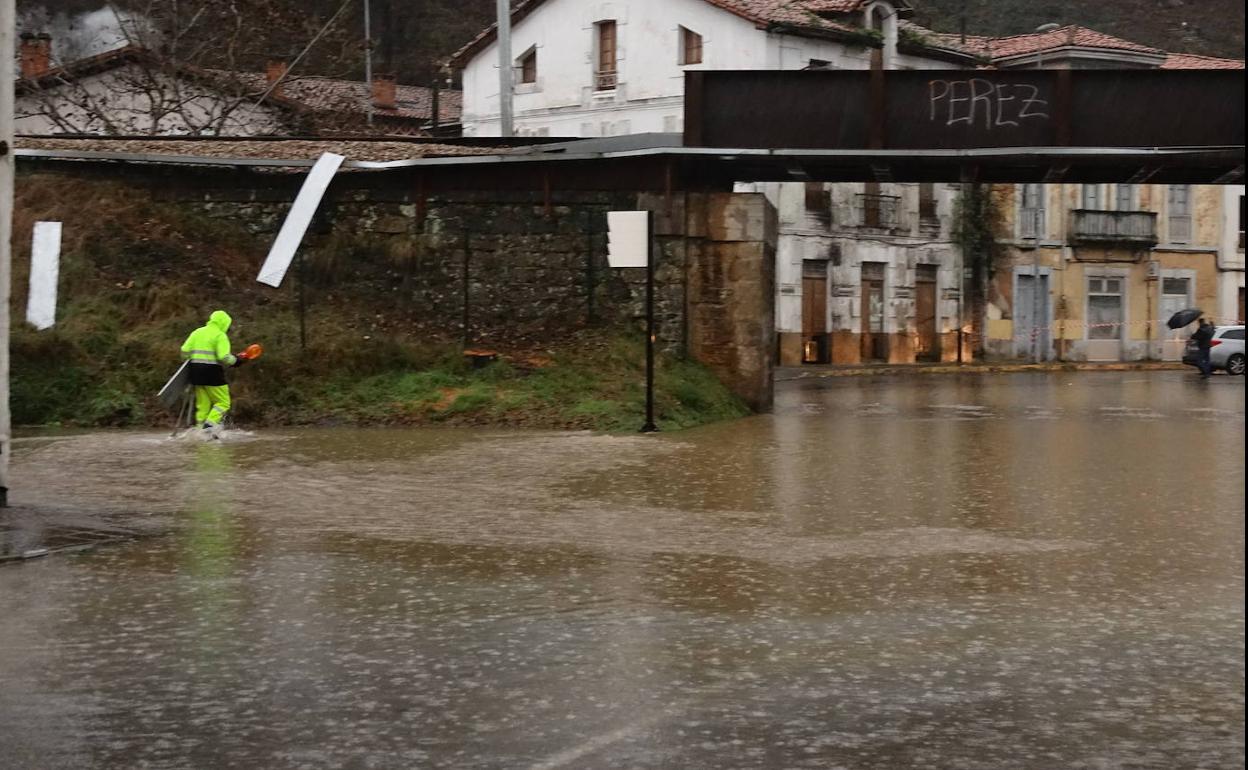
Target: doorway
<point x="815" y="347"/>
<point x="1031" y="316"/>
<point x="1176" y="295"/>
<point x="926" y="347"/>
<point x="1106" y="315"/>
<point x="874" y="340"/>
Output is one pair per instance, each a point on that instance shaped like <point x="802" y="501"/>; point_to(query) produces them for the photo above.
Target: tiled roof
<point x="974" y="46"/>
<point x="334" y="95"/>
<point x="1191" y="61"/>
<point x="812" y="15"/>
<point x="316" y="93"/>
<point x="1063" y="37"/>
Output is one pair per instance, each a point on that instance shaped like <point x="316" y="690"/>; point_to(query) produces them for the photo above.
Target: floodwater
<point x="1010" y="571"/>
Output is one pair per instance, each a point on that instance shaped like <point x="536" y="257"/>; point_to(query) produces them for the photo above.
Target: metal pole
<point x="649" y="427"/>
<point x="466" y="290"/>
<point x="368" y="59"/>
<point x="7" y="19"/>
<point x="506" y="127"/>
<point x="1036" y="304"/>
<point x="590" y="276"/>
<point x="303" y="308"/>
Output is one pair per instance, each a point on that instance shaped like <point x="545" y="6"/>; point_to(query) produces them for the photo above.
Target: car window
<point x="1233" y="334"/>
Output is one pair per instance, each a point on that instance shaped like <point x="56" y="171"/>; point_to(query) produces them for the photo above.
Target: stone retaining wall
<point x="497" y="268"/>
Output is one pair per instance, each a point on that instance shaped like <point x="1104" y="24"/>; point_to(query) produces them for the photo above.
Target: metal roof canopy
<point x="657" y="163"/>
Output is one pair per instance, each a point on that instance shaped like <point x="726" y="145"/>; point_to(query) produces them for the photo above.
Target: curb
<point x="791" y="374"/>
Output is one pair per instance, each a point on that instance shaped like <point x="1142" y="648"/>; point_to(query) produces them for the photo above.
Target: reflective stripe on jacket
<point x="209" y="344"/>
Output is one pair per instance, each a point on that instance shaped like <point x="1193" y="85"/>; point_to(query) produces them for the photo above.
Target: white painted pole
<point x="7" y="19"/>
<point x="506" y="123"/>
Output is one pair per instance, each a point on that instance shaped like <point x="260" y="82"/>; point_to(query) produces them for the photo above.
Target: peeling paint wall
<point x="1186" y="245"/>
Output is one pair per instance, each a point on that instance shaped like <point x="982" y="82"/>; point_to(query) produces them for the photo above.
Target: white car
<point x="1226" y="350"/>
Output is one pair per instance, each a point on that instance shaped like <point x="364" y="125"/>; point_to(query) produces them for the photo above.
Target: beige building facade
<point x="1092" y="272"/>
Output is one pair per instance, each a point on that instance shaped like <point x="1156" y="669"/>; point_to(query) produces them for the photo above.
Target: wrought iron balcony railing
<point x="878" y="211"/>
<point x="1122" y="227"/>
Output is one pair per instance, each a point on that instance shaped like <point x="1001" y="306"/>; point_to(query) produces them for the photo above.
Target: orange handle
<point x="252" y="352"/>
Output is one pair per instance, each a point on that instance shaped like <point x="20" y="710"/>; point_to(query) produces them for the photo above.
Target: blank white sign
<point x="45" y="269"/>
<point x="628" y="238"/>
<point x="297" y="221"/>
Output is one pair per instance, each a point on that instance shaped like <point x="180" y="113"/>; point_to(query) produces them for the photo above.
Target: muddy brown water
<point x="1023" y="571"/>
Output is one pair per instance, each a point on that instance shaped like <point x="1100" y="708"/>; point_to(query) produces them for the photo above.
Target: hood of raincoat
<point x="220" y="319"/>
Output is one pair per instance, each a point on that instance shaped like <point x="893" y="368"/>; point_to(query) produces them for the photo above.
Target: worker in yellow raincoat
<point x="208" y="350"/>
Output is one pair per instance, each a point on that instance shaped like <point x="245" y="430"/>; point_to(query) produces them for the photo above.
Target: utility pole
<point x="506" y="127"/>
<point x="649" y="426"/>
<point x="7" y="30"/>
<point x="368" y="59"/>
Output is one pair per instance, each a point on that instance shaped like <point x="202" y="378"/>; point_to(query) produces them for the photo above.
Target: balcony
<point x="605" y="80"/>
<point x="877" y="211"/>
<point x="1126" y="228"/>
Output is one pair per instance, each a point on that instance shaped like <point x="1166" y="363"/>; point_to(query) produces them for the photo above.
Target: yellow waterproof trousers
<point x="211" y="403"/>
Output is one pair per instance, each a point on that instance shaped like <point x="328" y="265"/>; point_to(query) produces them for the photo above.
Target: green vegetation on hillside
<point x="145" y="274"/>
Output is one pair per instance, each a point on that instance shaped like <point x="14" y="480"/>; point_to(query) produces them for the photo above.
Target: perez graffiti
<point x="979" y="100"/>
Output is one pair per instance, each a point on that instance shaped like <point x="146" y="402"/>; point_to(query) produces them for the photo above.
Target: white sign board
<point x="297" y="221"/>
<point x="628" y="238"/>
<point x="45" y="270"/>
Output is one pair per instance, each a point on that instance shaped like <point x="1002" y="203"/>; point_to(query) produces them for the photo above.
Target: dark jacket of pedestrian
<point x="1203" y="335"/>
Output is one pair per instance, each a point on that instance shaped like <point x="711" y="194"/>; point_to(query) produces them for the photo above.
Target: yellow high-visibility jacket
<point x="209" y="344"/>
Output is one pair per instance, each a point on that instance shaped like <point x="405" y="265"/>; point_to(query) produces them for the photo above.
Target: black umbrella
<point x="1184" y="317"/>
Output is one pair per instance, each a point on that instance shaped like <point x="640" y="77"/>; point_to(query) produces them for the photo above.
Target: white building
<point x="864" y="271"/>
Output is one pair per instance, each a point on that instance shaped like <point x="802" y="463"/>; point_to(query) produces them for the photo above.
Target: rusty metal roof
<point x="251" y="148"/>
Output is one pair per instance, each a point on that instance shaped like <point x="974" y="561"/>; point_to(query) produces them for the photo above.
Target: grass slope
<point x="137" y="276"/>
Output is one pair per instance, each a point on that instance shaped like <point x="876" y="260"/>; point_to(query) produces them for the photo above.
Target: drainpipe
<point x="1036" y="306"/>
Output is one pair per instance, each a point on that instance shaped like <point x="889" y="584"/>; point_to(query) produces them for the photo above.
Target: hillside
<point x="1210" y="27"/>
<point x="413" y="36"/>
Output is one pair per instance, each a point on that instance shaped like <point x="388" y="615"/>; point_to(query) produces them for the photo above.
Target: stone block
<point x="391" y="225"/>
<point x="740" y="217"/>
<point x="790" y="349"/>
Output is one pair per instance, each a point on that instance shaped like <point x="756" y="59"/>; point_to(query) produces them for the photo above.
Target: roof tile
<point x="1191" y="61"/>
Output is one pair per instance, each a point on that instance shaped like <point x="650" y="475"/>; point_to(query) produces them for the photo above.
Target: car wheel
<point x="1235" y="364"/>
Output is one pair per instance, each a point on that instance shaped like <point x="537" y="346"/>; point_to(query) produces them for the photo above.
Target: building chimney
<point x="36" y="54"/>
<point x="384" y="92"/>
<point x="274" y="70"/>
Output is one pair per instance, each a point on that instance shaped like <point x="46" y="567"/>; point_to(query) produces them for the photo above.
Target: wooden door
<point x="925" y="346"/>
<point x="815" y="312"/>
<point x="874" y="342"/>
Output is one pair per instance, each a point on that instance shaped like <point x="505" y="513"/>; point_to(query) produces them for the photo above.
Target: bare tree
<point x="190" y="67"/>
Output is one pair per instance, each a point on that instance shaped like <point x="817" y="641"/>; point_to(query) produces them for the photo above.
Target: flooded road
<point x="1015" y="571"/>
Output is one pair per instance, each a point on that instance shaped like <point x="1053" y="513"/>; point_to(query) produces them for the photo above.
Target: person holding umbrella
<point x="1203" y="336"/>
